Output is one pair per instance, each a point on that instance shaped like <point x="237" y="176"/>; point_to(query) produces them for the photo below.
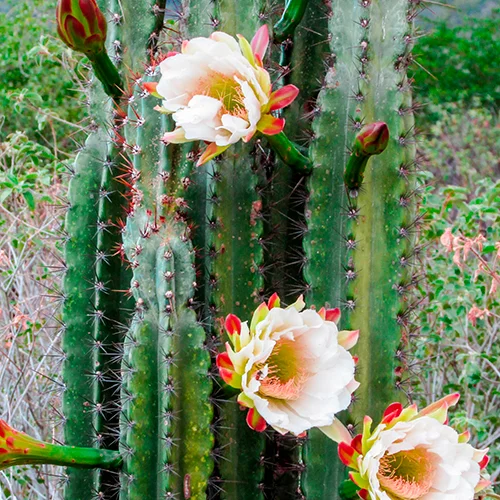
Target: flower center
<point x="286" y="375"/>
<point x="226" y="90"/>
<point x="407" y="474"/>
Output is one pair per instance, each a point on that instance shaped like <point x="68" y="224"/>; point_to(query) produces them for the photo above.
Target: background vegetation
<point x="42" y="123"/>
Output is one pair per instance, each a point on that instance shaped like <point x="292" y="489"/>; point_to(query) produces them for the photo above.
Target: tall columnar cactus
<point x="159" y="250"/>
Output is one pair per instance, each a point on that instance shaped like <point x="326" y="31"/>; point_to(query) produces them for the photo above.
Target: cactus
<point x="158" y="249"/>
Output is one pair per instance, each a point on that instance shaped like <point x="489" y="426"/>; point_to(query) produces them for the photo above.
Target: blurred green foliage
<point x="461" y="63"/>
<point x="38" y="95"/>
<point x="463" y="193"/>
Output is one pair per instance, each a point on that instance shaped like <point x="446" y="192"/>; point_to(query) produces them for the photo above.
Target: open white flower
<point x="218" y="91"/>
<point x="414" y="455"/>
<point x="292" y="366"/>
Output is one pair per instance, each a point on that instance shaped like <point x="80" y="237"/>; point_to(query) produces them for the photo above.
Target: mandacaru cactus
<point x="167" y="236"/>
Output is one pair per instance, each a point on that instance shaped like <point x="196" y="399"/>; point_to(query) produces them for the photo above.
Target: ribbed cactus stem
<point x="78" y="309"/>
<point x="362" y="243"/>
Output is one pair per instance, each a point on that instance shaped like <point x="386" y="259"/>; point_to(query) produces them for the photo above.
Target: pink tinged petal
<point x="270" y="125"/>
<point x="274" y="301"/>
<point x="246" y="49"/>
<point x="484" y="462"/>
<point x="211" y="152"/>
<point x="232" y="324"/>
<point x="439" y="409"/>
<point x="393" y="411"/>
<point x="333" y="315"/>
<point x="367" y="431"/>
<point x="481" y="485"/>
<point x="337" y="432"/>
<point x="151" y="88"/>
<point x="260" y="314"/>
<point x="245" y="401"/>
<point x="464" y="437"/>
<point x="226" y="370"/>
<point x="408" y="413"/>
<point x="348" y="338"/>
<point x="184" y="46"/>
<point x="260" y="41"/>
<point x="283" y="97"/>
<point x="348" y="455"/>
<point x="249" y="137"/>
<point x="255" y="421"/>
<point x="299" y="304"/>
<point x="177" y="136"/>
<point x="322" y="313"/>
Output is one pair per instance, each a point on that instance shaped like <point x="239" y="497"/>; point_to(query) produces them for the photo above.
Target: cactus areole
<point x="229" y="163"/>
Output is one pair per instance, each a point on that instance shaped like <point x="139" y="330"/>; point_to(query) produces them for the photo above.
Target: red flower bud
<point x="373" y="138"/>
<point x="81" y="25"/>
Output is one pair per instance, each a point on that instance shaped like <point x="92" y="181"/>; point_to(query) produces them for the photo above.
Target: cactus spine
<point x="199" y="243"/>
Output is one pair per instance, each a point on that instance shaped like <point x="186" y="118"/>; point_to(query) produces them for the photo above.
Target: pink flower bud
<point x="81" y="25"/>
<point x="373" y="138"/>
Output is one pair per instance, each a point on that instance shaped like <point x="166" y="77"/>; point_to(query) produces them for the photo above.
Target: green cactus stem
<point x="106" y="72"/>
<point x="17" y="448"/>
<point x="289" y="153"/>
<point x="362" y="244"/>
<point x="292" y="15"/>
<point x="78" y="339"/>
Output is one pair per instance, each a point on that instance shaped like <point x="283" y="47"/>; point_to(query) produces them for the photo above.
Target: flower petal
<point x="298" y="305"/>
<point x="274" y="301"/>
<point x="260" y="313"/>
<point x="151" y="88"/>
<point x="244" y="400"/>
<point x="177" y="136"/>
<point x="393" y="411"/>
<point x="255" y="420"/>
<point x="348" y="338"/>
<point x="246" y="50"/>
<point x="333" y="314"/>
<point x="260" y="42"/>
<point x="270" y="125"/>
<point x="232" y="324"/>
<point x="226" y="370"/>
<point x="347" y="454"/>
<point x="211" y="152"/>
<point x="440" y="405"/>
<point x="283" y="97"/>
<point x="337" y="431"/>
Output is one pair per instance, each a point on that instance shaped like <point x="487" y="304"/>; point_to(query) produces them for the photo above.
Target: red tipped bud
<point x="373" y="138"/>
<point x="81" y="25"/>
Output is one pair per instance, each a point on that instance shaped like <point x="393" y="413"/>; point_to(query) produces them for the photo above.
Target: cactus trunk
<point x="159" y="250"/>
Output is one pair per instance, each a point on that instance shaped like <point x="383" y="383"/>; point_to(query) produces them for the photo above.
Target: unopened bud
<point x="373" y="138"/>
<point x="81" y="25"/>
